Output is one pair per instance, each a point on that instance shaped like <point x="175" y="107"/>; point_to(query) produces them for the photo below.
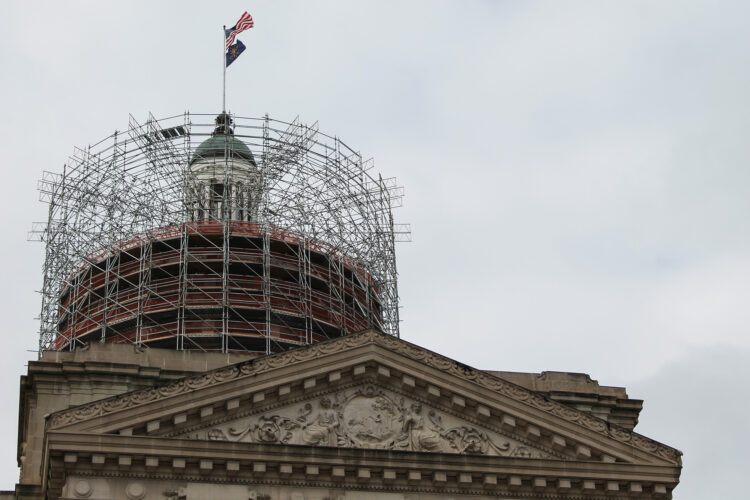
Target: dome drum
<point x="218" y="287"/>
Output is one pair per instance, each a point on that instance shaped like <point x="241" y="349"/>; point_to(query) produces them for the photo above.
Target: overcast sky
<point x="577" y="174"/>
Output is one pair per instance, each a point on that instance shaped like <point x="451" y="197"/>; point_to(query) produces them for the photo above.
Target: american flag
<point x="245" y="22"/>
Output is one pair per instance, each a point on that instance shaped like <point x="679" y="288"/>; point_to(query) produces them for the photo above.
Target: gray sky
<point x="577" y="174"/>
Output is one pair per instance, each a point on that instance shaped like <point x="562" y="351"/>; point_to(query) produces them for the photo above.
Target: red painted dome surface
<point x="217" y="286"/>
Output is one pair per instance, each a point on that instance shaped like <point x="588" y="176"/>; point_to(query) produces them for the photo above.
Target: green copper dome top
<point x="217" y="146"/>
<point x="221" y="143"/>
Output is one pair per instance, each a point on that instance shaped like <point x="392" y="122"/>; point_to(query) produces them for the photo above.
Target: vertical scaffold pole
<point x="303" y="280"/>
<point x="225" y="288"/>
<point x="111" y="286"/>
<point x="74" y="313"/>
<point x="144" y="287"/>
<point x="267" y="284"/>
<point x="183" y="286"/>
<point x="264" y="226"/>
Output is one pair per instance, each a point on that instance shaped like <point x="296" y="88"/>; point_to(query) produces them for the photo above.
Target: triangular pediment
<point x="366" y="390"/>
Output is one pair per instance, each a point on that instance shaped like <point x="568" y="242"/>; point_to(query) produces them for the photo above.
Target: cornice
<point x="264" y="364"/>
<point x="352" y="468"/>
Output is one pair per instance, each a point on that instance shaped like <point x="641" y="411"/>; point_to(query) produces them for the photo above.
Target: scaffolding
<point x="128" y="260"/>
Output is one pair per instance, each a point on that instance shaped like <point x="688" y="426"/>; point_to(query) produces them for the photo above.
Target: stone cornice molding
<point x="444" y="364"/>
<point x="352" y="468"/>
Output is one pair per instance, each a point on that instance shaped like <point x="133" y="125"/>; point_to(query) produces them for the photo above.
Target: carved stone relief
<point x="135" y="491"/>
<point x="82" y="489"/>
<point x="368" y="417"/>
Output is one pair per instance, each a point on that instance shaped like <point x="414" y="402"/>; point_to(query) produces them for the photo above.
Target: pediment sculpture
<point x="368" y="417"/>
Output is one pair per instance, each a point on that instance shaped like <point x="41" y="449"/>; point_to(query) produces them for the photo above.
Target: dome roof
<point x="222" y="141"/>
<point x="217" y="145"/>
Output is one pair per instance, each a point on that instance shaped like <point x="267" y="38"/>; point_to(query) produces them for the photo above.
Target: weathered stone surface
<point x="579" y="391"/>
<point x="383" y="419"/>
<point x="63" y="379"/>
<point x="368" y="416"/>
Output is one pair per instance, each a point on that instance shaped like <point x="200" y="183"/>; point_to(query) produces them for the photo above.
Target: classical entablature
<point x="365" y="412"/>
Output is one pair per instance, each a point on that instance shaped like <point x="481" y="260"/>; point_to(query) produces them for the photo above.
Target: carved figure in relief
<point x="216" y="435"/>
<point x="469" y="440"/>
<point x="268" y="431"/>
<point x="522" y="452"/>
<point x="420" y="436"/>
<point x="323" y="429"/>
<point x="371" y="419"/>
<point x="271" y="429"/>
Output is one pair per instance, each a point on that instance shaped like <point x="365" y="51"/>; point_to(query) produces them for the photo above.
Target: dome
<point x="221" y="141"/>
<point x="216" y="146"/>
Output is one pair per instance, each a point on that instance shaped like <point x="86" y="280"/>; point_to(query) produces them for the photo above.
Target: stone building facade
<point x="364" y="416"/>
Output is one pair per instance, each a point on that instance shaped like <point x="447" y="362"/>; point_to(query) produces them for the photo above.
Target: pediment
<point x="370" y="391"/>
<point x="369" y="416"/>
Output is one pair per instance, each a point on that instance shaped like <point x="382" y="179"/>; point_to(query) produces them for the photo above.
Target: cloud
<point x="696" y="404"/>
<point x="576" y="176"/>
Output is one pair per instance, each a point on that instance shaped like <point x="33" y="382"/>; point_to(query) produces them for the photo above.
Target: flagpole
<point x="224" y="74"/>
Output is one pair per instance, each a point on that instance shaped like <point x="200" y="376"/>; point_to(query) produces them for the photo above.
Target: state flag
<point x="234" y="52"/>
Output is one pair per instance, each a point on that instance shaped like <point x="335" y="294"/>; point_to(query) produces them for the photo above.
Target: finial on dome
<point x="223" y="124"/>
